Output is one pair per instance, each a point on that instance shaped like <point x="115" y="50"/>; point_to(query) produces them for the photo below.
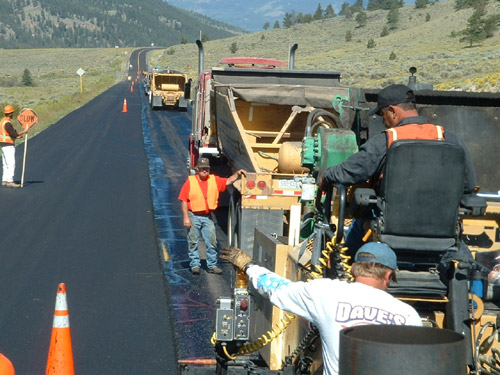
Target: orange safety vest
<point x="415" y="131"/>
<point x="4" y="135"/>
<point x="199" y="202"/>
<point x="409" y="131"/>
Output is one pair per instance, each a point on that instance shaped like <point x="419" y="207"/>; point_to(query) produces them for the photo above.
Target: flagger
<point x="8" y="136"/>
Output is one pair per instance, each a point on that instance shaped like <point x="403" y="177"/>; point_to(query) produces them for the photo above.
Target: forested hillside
<point x="102" y="23"/>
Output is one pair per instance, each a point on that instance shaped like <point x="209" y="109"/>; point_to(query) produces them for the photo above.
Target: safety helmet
<point x="8" y="109"/>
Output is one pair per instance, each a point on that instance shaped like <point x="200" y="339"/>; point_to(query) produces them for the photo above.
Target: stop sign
<point x="27" y="118"/>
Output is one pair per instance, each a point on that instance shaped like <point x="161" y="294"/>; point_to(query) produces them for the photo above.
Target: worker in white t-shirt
<point x="333" y="305"/>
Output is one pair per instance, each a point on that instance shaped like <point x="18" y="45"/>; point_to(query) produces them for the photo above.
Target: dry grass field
<point x="57" y="88"/>
<point x="440" y="58"/>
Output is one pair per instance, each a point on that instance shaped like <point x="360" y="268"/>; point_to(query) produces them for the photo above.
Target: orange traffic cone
<point x="6" y="367"/>
<point x="60" y="360"/>
<point x="132" y="88"/>
<point x="125" y="108"/>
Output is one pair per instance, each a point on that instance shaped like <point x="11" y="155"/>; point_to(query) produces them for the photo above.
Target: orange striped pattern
<point x="60" y="361"/>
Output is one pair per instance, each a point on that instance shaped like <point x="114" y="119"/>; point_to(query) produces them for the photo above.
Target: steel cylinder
<point x="401" y="350"/>
<point x="289" y="158"/>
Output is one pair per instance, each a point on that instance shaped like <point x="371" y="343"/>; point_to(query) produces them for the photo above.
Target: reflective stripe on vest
<point x="415" y="131"/>
<point x="198" y="202"/>
<point x="4" y="136"/>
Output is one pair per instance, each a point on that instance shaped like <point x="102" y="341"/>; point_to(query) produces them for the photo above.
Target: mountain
<point x="252" y="15"/>
<point x="103" y="23"/>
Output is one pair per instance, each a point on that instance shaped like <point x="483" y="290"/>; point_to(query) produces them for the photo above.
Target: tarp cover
<point x="319" y="97"/>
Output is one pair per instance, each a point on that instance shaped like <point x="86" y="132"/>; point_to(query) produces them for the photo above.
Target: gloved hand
<point x="236" y="256"/>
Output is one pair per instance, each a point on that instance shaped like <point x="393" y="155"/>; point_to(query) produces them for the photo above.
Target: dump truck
<point x="168" y="89"/>
<point x="285" y="127"/>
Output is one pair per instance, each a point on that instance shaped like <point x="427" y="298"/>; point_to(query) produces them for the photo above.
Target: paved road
<point x="85" y="218"/>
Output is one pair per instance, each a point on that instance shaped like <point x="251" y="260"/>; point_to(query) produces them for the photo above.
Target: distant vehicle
<point x="168" y="89"/>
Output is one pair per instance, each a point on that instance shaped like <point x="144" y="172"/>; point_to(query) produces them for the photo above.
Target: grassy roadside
<point x="56" y="91"/>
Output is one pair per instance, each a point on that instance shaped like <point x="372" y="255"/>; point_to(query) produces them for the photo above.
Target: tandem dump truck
<point x="167" y="89"/>
<point x="285" y="127"/>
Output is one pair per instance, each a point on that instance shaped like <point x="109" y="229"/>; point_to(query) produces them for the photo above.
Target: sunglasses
<point x="204" y="169"/>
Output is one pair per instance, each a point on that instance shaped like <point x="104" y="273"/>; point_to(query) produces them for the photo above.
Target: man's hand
<point x="187" y="223"/>
<point x="236" y="256"/>
<point x="323" y="185"/>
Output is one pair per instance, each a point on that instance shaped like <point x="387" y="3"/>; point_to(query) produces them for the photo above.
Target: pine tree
<point x="393" y="18"/>
<point x="233" y="48"/>
<point x="421" y="4"/>
<point x="318" y="15"/>
<point x="329" y="11"/>
<point x="361" y="19"/>
<point x="348" y="36"/>
<point x="27" y="80"/>
<point x="357" y="6"/>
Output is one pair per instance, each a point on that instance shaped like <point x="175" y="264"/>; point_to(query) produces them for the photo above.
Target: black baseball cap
<point x="392" y="95"/>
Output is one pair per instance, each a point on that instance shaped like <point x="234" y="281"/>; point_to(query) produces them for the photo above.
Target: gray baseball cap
<point x="382" y="254"/>
<point x="203" y="163"/>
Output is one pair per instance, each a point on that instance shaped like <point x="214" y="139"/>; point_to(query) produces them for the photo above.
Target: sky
<point x="252" y="15"/>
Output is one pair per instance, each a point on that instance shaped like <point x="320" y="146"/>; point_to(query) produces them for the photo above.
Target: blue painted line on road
<point x="168" y="235"/>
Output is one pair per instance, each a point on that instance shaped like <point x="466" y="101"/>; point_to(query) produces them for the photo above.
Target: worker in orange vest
<point x="8" y="136"/>
<point x="396" y="105"/>
<point x="199" y="197"/>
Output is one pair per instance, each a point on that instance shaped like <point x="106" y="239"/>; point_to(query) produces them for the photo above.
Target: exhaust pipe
<point x="291" y="56"/>
<point x="200" y="56"/>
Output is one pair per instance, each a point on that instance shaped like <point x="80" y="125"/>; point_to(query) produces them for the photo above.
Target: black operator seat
<point x="420" y="193"/>
<point x="418" y="204"/>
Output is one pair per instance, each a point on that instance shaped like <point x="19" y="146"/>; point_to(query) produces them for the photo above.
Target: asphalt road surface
<point x="85" y="217"/>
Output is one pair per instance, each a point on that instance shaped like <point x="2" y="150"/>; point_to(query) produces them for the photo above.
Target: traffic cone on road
<point x="132" y="88"/>
<point x="60" y="360"/>
<point x="6" y="367"/>
<point x="125" y="108"/>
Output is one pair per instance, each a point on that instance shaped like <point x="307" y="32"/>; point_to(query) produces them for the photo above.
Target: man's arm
<point x="185" y="215"/>
<point x="231" y="179"/>
<point x="360" y="167"/>
<point x="13" y="132"/>
<point x="294" y="297"/>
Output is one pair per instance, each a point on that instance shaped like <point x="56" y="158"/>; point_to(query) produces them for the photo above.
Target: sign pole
<point x="27" y="118"/>
<point x="24" y="157"/>
<point x="81" y="72"/>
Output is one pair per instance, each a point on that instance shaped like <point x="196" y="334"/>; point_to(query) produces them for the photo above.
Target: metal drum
<point x="401" y="350"/>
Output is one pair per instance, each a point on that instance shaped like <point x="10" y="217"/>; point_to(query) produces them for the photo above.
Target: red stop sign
<point x="27" y="118"/>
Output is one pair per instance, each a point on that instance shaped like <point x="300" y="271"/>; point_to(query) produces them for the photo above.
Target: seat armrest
<point x="362" y="201"/>
<point x="473" y="204"/>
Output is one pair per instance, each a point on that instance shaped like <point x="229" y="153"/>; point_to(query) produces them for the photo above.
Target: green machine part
<point x="329" y="147"/>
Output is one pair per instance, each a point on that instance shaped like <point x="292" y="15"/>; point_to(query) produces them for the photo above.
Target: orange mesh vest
<point x="4" y="136"/>
<point x="415" y="131"/>
<point x="409" y="131"/>
<point x="199" y="202"/>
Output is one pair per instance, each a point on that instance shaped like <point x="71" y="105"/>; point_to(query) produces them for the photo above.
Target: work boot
<point x="195" y="270"/>
<point x="11" y="184"/>
<point x="215" y="270"/>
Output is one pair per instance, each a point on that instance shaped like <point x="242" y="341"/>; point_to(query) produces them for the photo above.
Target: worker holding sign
<point x="8" y="136"/>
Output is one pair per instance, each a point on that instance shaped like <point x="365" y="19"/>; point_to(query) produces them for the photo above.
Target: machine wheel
<point x="233" y="221"/>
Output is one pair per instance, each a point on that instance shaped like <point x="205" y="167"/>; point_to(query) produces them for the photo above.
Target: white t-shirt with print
<point x="332" y="305"/>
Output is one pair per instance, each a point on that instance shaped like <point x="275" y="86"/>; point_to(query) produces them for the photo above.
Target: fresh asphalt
<point x="98" y="212"/>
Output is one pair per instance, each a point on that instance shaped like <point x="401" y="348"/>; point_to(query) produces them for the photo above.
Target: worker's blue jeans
<point x="202" y="224"/>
